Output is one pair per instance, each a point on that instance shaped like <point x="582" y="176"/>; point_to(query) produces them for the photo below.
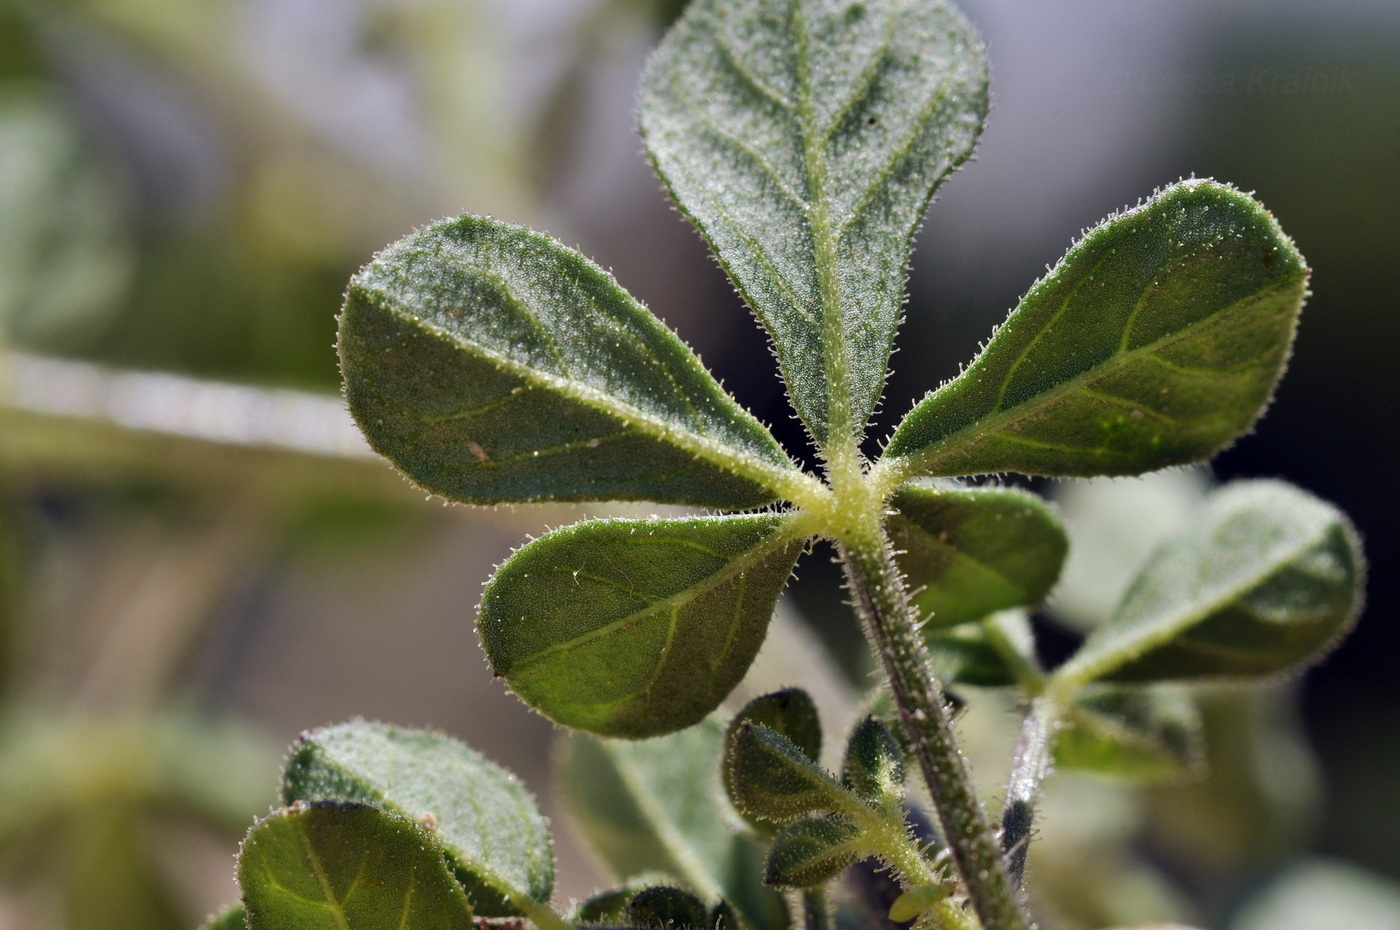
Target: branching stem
<point x="888" y="619"/>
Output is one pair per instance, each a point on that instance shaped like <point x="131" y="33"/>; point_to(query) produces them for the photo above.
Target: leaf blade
<point x="491" y="363"/>
<point x="1156" y="341"/>
<point x="346" y="867"/>
<point x="970" y="552"/>
<point x="805" y="141"/>
<point x="486" y="822"/>
<point x="636" y="627"/>
<point x="659" y="804"/>
<point x="1267" y="580"/>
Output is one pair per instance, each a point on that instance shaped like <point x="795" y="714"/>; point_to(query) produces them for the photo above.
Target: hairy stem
<point x="815" y="913"/>
<point x="889" y="623"/>
<point x="1029" y="767"/>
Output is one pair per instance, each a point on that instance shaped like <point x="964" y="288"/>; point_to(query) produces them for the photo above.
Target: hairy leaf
<point x="774" y="780"/>
<point x="790" y="712"/>
<point x="636" y="627"/>
<point x="485" y="820"/>
<point x="1138" y="734"/>
<point x="346" y="867"/>
<point x="491" y="363"/>
<point x="664" y="907"/>
<point x="1155" y="341"/>
<point x="232" y="917"/>
<point x="1266" y="580"/>
<point x="657" y="805"/>
<point x="874" y="764"/>
<point x="805" y="140"/>
<point x="812" y="852"/>
<point x="970" y="552"/>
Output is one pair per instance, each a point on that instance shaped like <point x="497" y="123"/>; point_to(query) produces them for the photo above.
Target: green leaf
<point x="346" y="867"/>
<point x="805" y="140"/>
<point x="491" y="363"/>
<point x="1264" y="581"/>
<point x="970" y="552"/>
<point x="1138" y="734"/>
<point x="812" y="852"/>
<point x="874" y="764"/>
<point x="232" y="917"/>
<point x="664" y="907"/>
<point x="658" y="805"/>
<point x="1155" y="341"/>
<point x="774" y="780"/>
<point x="969" y="655"/>
<point x="636" y="627"/>
<point x="916" y="901"/>
<point x="790" y="712"/>
<point x="487" y="823"/>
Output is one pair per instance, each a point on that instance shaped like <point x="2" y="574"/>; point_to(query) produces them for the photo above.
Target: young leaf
<point x="970" y="552"/>
<point x="790" y="712"/>
<point x="667" y="909"/>
<point x="658" y="806"/>
<point x="805" y="140"/>
<point x="812" y="852"/>
<point x="491" y="363"/>
<point x="487" y="823"/>
<point x="1138" y="734"/>
<point x="346" y="867"/>
<point x="774" y="780"/>
<point x="636" y="627"/>
<point x="1265" y="581"/>
<point x="1155" y="341"/>
<point x="874" y="765"/>
<point x="232" y="917"/>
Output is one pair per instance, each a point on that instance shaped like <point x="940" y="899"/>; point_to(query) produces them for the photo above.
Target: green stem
<point x="815" y="913"/>
<point x="888" y="619"/>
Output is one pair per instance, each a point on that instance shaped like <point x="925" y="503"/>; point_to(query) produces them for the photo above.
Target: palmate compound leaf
<point x="1155" y="341"/>
<point x="490" y="363"/>
<point x="1261" y="583"/>
<point x="347" y="867"/>
<point x="970" y="552"/>
<point x="486" y="822"/>
<point x="636" y="627"/>
<point x="658" y="805"/>
<point x="805" y="139"/>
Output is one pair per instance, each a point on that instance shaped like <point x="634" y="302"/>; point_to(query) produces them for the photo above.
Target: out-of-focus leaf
<point x="658" y="805"/>
<point x="485" y="820"/>
<point x="812" y="852"/>
<point x="1139" y="734"/>
<point x="805" y="141"/>
<point x="970" y="552"/>
<point x="774" y="780"/>
<point x="1317" y="894"/>
<point x="1114" y="526"/>
<point x="636" y="627"/>
<point x="1155" y="341"/>
<point x="1264" y="581"/>
<point x="65" y="248"/>
<point x="969" y="655"/>
<point x="346" y="867"/>
<point x="491" y="363"/>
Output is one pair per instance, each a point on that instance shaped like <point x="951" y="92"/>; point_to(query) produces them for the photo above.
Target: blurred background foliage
<point x="189" y="574"/>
